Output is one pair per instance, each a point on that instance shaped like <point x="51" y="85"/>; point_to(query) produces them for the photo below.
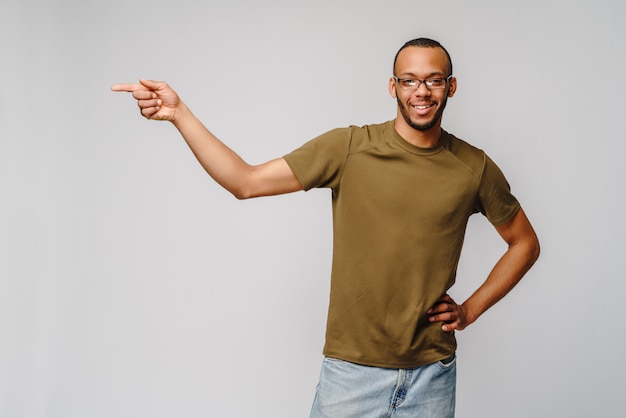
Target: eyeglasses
<point x="415" y="83"/>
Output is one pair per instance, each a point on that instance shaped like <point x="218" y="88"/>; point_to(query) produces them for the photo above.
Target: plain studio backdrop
<point x="131" y="285"/>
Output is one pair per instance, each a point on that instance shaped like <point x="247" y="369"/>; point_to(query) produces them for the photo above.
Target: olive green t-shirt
<point x="399" y="219"/>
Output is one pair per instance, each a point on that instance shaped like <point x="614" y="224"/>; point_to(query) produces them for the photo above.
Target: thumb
<point x="150" y="84"/>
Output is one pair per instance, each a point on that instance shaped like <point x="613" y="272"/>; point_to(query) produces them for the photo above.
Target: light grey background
<point x="133" y="286"/>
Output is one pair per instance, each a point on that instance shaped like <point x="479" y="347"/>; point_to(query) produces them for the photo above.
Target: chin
<point x="423" y="125"/>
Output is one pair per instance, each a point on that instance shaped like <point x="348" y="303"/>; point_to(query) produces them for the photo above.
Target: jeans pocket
<point x="447" y="362"/>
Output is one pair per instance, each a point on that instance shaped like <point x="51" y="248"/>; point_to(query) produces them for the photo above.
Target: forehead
<point x="422" y="61"/>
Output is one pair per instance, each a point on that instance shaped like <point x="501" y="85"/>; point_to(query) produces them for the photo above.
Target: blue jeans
<point x="351" y="390"/>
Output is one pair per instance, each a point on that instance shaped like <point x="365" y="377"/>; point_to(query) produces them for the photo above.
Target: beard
<point x="421" y="126"/>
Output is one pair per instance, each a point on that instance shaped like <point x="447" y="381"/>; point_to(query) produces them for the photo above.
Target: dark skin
<point x="424" y="109"/>
<point x="522" y="252"/>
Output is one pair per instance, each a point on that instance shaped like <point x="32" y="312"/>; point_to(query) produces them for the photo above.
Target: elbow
<point x="243" y="186"/>
<point x="241" y="194"/>
<point x="533" y="255"/>
<point x="536" y="250"/>
<point x="533" y="251"/>
<point x="527" y="250"/>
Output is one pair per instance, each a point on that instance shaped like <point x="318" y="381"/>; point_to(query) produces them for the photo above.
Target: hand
<point x="156" y="99"/>
<point x="446" y="310"/>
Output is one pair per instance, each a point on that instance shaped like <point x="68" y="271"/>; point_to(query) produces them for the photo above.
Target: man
<point x="402" y="194"/>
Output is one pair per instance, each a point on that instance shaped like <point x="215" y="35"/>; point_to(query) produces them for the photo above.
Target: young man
<point x="402" y="194"/>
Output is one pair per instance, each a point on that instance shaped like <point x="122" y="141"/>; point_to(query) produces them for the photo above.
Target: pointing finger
<point x="126" y="87"/>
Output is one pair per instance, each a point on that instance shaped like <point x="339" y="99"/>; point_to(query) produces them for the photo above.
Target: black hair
<point x="423" y="43"/>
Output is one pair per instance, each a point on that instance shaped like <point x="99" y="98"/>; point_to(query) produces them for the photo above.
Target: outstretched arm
<point x="523" y="251"/>
<point x="157" y="101"/>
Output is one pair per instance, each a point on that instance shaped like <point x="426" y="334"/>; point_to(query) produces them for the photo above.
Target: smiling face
<point x="420" y="111"/>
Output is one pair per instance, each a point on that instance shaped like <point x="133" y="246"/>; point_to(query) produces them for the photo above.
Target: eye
<point x="407" y="82"/>
<point x="435" y="82"/>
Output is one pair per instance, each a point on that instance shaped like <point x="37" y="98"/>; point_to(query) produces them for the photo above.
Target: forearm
<point x="507" y="272"/>
<point x="158" y="101"/>
<point x="522" y="252"/>
<point x="219" y="161"/>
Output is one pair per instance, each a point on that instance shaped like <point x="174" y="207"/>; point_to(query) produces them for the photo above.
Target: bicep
<point x="518" y="230"/>
<point x="272" y="178"/>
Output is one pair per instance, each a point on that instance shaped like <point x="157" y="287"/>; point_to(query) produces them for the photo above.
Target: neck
<point x="427" y="138"/>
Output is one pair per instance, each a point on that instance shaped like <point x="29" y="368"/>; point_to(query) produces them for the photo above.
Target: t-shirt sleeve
<point x="320" y="162"/>
<point x="495" y="199"/>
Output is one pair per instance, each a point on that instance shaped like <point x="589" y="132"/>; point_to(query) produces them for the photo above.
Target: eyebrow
<point x="413" y="75"/>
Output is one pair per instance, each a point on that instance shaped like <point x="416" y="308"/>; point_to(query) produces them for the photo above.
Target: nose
<point x="422" y="90"/>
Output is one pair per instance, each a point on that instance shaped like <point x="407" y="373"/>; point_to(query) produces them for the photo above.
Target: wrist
<point x="180" y="114"/>
<point x="471" y="314"/>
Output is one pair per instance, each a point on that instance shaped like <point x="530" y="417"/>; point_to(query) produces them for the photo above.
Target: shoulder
<point x="369" y="136"/>
<point x="474" y="158"/>
<point x="349" y="139"/>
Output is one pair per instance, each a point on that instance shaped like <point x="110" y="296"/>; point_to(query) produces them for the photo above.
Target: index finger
<point x="126" y="87"/>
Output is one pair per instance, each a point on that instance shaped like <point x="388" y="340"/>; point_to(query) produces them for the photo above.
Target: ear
<point x="392" y="87"/>
<point x="452" y="88"/>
